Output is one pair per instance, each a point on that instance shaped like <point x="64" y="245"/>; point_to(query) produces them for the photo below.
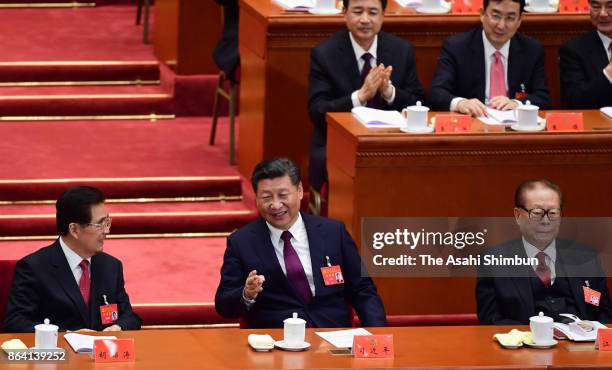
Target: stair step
<point x="45" y="4"/>
<point x="79" y="71"/>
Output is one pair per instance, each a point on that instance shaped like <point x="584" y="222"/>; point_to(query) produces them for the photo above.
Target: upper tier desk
<point x="275" y="52"/>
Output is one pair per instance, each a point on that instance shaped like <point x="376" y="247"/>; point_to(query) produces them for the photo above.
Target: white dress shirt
<point x="299" y="240"/>
<point x="606" y="44"/>
<point x="551" y="256"/>
<point x="73" y="261"/>
<point x="360" y="63"/>
<point x="489" y="51"/>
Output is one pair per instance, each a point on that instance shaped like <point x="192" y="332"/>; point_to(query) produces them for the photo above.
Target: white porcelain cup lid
<point x="528" y="106"/>
<point x="46" y="326"/>
<point x="295" y="320"/>
<point x="418" y="107"/>
<point x="541" y="318"/>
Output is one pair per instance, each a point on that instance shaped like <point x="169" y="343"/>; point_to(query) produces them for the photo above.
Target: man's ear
<point x="73" y="230"/>
<point x="517" y="214"/>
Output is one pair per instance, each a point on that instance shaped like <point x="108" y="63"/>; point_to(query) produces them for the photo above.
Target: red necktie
<point x="84" y="283"/>
<point x="497" y="85"/>
<point x="295" y="270"/>
<point x="543" y="271"/>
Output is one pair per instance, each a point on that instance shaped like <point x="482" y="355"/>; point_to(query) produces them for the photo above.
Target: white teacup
<point x="294" y="331"/>
<point x="527" y="114"/>
<point x="539" y="4"/>
<point x="325" y="4"/>
<point x="430" y="4"/>
<point x="416" y="116"/>
<point x="541" y="328"/>
<point x="45" y="336"/>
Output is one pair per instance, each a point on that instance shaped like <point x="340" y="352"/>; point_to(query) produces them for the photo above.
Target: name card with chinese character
<point x="373" y="346"/>
<point x="604" y="340"/>
<point x="466" y="6"/>
<point x="573" y="6"/>
<point x="453" y="123"/>
<point x="564" y="122"/>
<point x="114" y="350"/>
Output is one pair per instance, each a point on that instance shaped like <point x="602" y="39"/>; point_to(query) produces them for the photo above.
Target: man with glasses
<point x="492" y="65"/>
<point x="288" y="261"/>
<point x="586" y="62"/>
<point x="72" y="282"/>
<point x="560" y="280"/>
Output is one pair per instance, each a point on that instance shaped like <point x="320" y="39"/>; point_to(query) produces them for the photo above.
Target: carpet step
<point x="45" y="4"/>
<point x="92" y="72"/>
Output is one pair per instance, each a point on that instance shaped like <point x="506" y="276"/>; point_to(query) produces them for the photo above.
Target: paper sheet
<point x="82" y="342"/>
<point x="342" y="338"/>
<point x="499" y="117"/>
<point x="376" y="118"/>
<point x="295" y="4"/>
<point x="607" y="111"/>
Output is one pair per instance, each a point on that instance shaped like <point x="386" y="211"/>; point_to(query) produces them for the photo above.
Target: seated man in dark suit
<point x="491" y="65"/>
<point x="360" y="66"/>
<point x="557" y="282"/>
<point x="72" y="280"/>
<point x="275" y="265"/>
<point x="586" y="62"/>
<point x="226" y="54"/>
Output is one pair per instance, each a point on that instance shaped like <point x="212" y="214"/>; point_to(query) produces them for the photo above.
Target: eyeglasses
<point x="537" y="214"/>
<point x="106" y="223"/>
<point x="497" y="17"/>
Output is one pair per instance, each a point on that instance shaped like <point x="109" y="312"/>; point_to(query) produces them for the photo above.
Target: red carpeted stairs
<point x="83" y="101"/>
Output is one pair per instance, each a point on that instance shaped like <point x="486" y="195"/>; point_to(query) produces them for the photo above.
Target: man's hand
<point x="502" y="103"/>
<point x="473" y="107"/>
<point x="253" y="285"/>
<point x="386" y="89"/>
<point x="608" y="69"/>
<point x="371" y="84"/>
<point x="113" y="327"/>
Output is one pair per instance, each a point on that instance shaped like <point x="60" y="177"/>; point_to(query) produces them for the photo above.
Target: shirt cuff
<point x="608" y="77"/>
<point x="355" y="99"/>
<point x="247" y="302"/>
<point x="392" y="98"/>
<point x="454" y="103"/>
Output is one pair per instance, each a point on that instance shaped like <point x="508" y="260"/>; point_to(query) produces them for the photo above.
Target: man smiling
<point x="359" y="66"/>
<point x="492" y="65"/>
<point x="289" y="262"/>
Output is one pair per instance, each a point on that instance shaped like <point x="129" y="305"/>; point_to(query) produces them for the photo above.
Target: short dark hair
<point x="519" y="194"/>
<point x="273" y="168"/>
<point x="383" y="3"/>
<point x="485" y="4"/>
<point x="74" y="205"/>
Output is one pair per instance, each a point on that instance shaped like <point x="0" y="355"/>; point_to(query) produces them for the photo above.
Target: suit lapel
<point x="564" y="269"/>
<point x="522" y="283"/>
<point x="599" y="57"/>
<point x="267" y="256"/>
<point x="346" y="57"/>
<point x="316" y="245"/>
<point x="95" y="298"/>
<point x="514" y="67"/>
<point x="66" y="280"/>
<point x="479" y="65"/>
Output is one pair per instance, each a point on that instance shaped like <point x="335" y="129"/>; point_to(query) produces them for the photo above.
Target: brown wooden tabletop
<point x="467" y="347"/>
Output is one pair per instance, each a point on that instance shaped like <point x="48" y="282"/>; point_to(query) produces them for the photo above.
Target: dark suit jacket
<point x="583" y="84"/>
<point x="250" y="249"/>
<point x="461" y="70"/>
<point x="504" y="295"/>
<point x="226" y="54"/>
<point x="334" y="75"/>
<point x="44" y="287"/>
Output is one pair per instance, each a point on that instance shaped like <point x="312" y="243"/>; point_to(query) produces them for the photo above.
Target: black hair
<point x="273" y="168"/>
<point x="74" y="205"/>
<point x="485" y="4"/>
<point x="519" y="194"/>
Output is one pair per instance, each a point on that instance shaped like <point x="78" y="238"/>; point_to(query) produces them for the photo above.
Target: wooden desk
<point x="467" y="347"/>
<point x="386" y="173"/>
<point x="275" y="55"/>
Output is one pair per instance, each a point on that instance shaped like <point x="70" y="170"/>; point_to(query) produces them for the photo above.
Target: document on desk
<point x="376" y="118"/>
<point x="295" y="4"/>
<point x="410" y="3"/>
<point x="499" y="117"/>
<point x="342" y="338"/>
<point x="82" y="342"/>
<point x="607" y="111"/>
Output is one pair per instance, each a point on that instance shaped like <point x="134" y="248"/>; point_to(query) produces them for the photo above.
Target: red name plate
<point x="373" y="346"/>
<point x="449" y="123"/>
<point x="466" y="6"/>
<point x="573" y="6"/>
<point x="564" y="122"/>
<point x="114" y="350"/>
<point x="604" y="340"/>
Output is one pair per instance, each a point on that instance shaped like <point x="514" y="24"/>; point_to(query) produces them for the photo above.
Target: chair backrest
<point x="6" y="279"/>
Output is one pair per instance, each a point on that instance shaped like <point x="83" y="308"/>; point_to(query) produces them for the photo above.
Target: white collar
<point x="297" y="230"/>
<point x="605" y="39"/>
<point x="359" y="51"/>
<point x="489" y="49"/>
<point x="73" y="259"/>
<point x="532" y="251"/>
